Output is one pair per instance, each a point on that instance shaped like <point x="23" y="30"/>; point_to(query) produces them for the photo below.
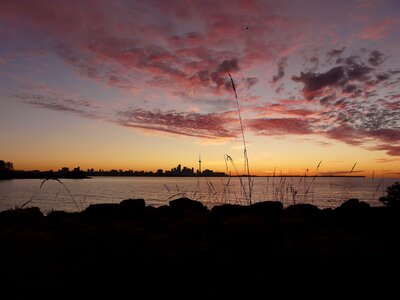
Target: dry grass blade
<point x="246" y="159"/>
<point x="315" y="176"/>
<point x="167" y="188"/>
<point x="72" y="197"/>
<point x="230" y="159"/>
<point x="379" y="185"/>
<point x="177" y="194"/>
<point x="212" y="186"/>
<point x="60" y="182"/>
<point x="345" y="187"/>
<point x="226" y="163"/>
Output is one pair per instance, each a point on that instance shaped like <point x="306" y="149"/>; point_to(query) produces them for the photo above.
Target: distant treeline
<point x="6" y="169"/>
<point x="18" y="174"/>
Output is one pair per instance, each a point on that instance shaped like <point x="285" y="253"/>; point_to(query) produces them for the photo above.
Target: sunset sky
<point x="144" y="84"/>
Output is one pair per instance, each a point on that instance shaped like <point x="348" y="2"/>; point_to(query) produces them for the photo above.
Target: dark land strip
<point x="185" y="250"/>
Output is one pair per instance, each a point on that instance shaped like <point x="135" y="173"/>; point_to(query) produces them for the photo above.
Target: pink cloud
<point x="390" y="136"/>
<point x="379" y="30"/>
<point x="346" y="134"/>
<point x="386" y="160"/>
<point x="190" y="124"/>
<point x="392" y="150"/>
<point x="279" y="126"/>
<point x="211" y="126"/>
<point x="62" y="103"/>
<point x="289" y="109"/>
<point x="184" y="44"/>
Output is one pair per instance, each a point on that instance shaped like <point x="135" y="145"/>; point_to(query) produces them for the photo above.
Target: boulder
<point x="133" y="204"/>
<point x="102" y="211"/>
<point x="267" y="208"/>
<point x="29" y="217"/>
<point x="228" y="210"/>
<point x="187" y="204"/>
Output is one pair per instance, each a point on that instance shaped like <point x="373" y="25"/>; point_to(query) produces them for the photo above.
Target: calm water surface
<point x="323" y="192"/>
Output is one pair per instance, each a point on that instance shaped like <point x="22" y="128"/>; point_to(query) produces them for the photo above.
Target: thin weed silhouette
<point x="312" y="182"/>
<point x="378" y="186"/>
<point x="243" y="188"/>
<point x="345" y="185"/>
<point x="40" y="188"/>
<point x="246" y="159"/>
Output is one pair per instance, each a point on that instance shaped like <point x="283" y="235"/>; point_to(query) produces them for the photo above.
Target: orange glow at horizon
<point x="275" y="156"/>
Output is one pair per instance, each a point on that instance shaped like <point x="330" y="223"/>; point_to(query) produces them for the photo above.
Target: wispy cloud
<point x="83" y="108"/>
<point x="379" y="30"/>
<point x="282" y="64"/>
<point x="280" y="126"/>
<point x="209" y="126"/>
<point x="386" y="160"/>
<point x="156" y="48"/>
<point x="351" y="94"/>
<point x="189" y="124"/>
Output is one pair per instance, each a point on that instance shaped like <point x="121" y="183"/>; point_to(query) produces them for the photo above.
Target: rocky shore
<point x="188" y="251"/>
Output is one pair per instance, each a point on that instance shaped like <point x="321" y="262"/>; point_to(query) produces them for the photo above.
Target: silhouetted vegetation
<point x="392" y="198"/>
<point x="9" y="166"/>
<point x="6" y="169"/>
<point x="245" y="156"/>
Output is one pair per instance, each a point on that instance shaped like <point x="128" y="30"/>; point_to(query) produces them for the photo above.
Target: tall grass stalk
<point x="377" y="188"/>
<point x="230" y="159"/>
<point x="345" y="186"/>
<point x="312" y="181"/>
<point x="246" y="159"/>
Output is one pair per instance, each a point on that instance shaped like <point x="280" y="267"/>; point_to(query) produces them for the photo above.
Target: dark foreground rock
<point x="183" y="250"/>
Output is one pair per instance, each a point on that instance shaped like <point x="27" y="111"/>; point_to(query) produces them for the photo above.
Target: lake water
<point x="77" y="194"/>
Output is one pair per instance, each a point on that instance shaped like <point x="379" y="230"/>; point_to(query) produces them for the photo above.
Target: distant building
<point x="199" y="169"/>
<point x="179" y="171"/>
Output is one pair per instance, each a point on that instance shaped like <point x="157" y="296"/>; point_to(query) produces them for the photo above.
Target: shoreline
<point x="180" y="176"/>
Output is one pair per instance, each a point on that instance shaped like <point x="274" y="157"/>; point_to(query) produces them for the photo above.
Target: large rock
<point x="302" y="210"/>
<point x="267" y="208"/>
<point x="102" y="211"/>
<point x="353" y="205"/>
<point x="353" y="211"/>
<point x="187" y="204"/>
<point x="228" y="210"/>
<point x="298" y="214"/>
<point x="59" y="217"/>
<point x="29" y="217"/>
<point x="133" y="204"/>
